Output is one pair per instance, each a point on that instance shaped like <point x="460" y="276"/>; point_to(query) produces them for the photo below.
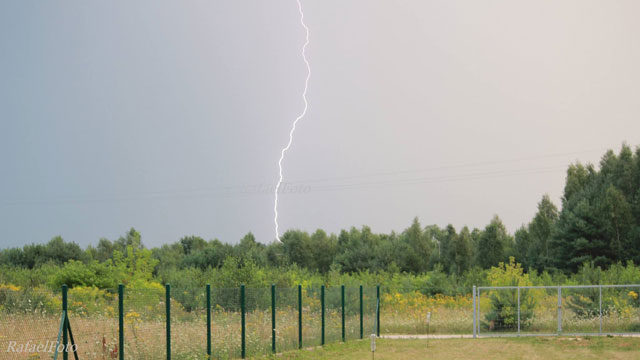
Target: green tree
<point x="447" y="251"/>
<point x="212" y="256"/>
<point x="461" y="252"/>
<point x="59" y="251"/>
<point x="578" y="176"/>
<point x="169" y="256"/>
<point x="104" y="250"/>
<point x="275" y="255"/>
<point x="324" y="249"/>
<point x="135" y="266"/>
<point x="522" y="246"/>
<point x="420" y="246"/>
<point x="620" y="222"/>
<point x="541" y="231"/>
<point x="493" y="244"/>
<point x="192" y="244"/>
<point x="435" y="236"/>
<point x="298" y="248"/>
<point x="357" y="250"/>
<point x="250" y="249"/>
<point x="598" y="222"/>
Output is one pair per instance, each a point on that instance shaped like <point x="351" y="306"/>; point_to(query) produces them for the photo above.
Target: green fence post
<point x="168" y="305"/>
<point x="361" y="315"/>
<point x="273" y="318"/>
<point x="65" y="336"/>
<point x="209" y="321"/>
<point x="322" y="305"/>
<point x="299" y="316"/>
<point x="378" y="311"/>
<point x="343" y="320"/>
<point x="121" y="320"/>
<point x="244" y="329"/>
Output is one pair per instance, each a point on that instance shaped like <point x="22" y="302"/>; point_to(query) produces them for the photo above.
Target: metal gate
<point x="556" y="310"/>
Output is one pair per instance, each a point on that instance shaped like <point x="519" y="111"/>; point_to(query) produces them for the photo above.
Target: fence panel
<point x="311" y="317"/>
<point x="189" y="323"/>
<point x="560" y="310"/>
<point x="352" y="313"/>
<point x="538" y="311"/>
<point x="258" y="320"/>
<point x="333" y="315"/>
<point x="28" y="316"/>
<point x="225" y="323"/>
<point x="32" y="316"/>
<point x="580" y="310"/>
<point x="286" y="319"/>
<point x="144" y="323"/>
<point x="93" y="315"/>
<point x="620" y="309"/>
<point x="498" y="311"/>
<point x="369" y="303"/>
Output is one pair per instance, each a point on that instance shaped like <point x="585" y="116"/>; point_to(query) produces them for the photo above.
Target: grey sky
<point x="169" y="116"/>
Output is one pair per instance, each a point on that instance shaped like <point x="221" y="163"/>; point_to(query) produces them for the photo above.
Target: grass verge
<point x="481" y="349"/>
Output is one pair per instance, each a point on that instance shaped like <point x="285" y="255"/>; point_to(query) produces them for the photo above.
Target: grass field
<point x="481" y="349"/>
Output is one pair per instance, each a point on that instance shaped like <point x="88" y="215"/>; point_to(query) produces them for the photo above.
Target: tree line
<point x="598" y="223"/>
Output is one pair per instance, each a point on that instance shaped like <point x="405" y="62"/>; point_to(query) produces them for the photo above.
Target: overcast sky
<point x="169" y="116"/>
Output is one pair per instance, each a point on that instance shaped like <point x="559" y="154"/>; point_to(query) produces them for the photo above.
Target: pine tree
<point x="493" y="244"/>
<point x="541" y="231"/>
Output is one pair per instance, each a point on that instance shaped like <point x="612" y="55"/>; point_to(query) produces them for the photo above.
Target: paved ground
<point x="433" y="336"/>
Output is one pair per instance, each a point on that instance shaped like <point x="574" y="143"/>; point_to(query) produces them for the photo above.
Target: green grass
<point x="481" y="349"/>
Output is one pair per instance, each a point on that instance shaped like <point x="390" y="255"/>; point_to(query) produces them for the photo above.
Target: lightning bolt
<point x="293" y="128"/>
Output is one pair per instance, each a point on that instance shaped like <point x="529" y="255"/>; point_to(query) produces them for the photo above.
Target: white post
<point x="478" y="315"/>
<point x="373" y="346"/>
<point x="428" y="326"/>
<point x="518" y="310"/>
<point x="600" y="288"/>
<point x="559" y="310"/>
<point x="474" y="311"/>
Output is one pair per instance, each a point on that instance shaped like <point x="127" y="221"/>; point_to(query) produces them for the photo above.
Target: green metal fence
<point x="184" y="323"/>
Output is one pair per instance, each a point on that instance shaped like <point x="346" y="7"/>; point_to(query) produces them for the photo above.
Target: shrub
<point x="75" y="273"/>
<point x="17" y="300"/>
<point x="504" y="303"/>
<point x="86" y="300"/>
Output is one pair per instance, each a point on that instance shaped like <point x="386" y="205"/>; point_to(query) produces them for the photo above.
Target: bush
<point x="504" y="304"/>
<point x="86" y="300"/>
<point x="75" y="273"/>
<point x="16" y="300"/>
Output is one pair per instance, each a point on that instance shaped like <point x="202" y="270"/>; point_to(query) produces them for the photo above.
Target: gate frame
<point x="476" y="309"/>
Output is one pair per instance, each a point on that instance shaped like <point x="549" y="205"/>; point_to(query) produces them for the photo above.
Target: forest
<point x="595" y="229"/>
